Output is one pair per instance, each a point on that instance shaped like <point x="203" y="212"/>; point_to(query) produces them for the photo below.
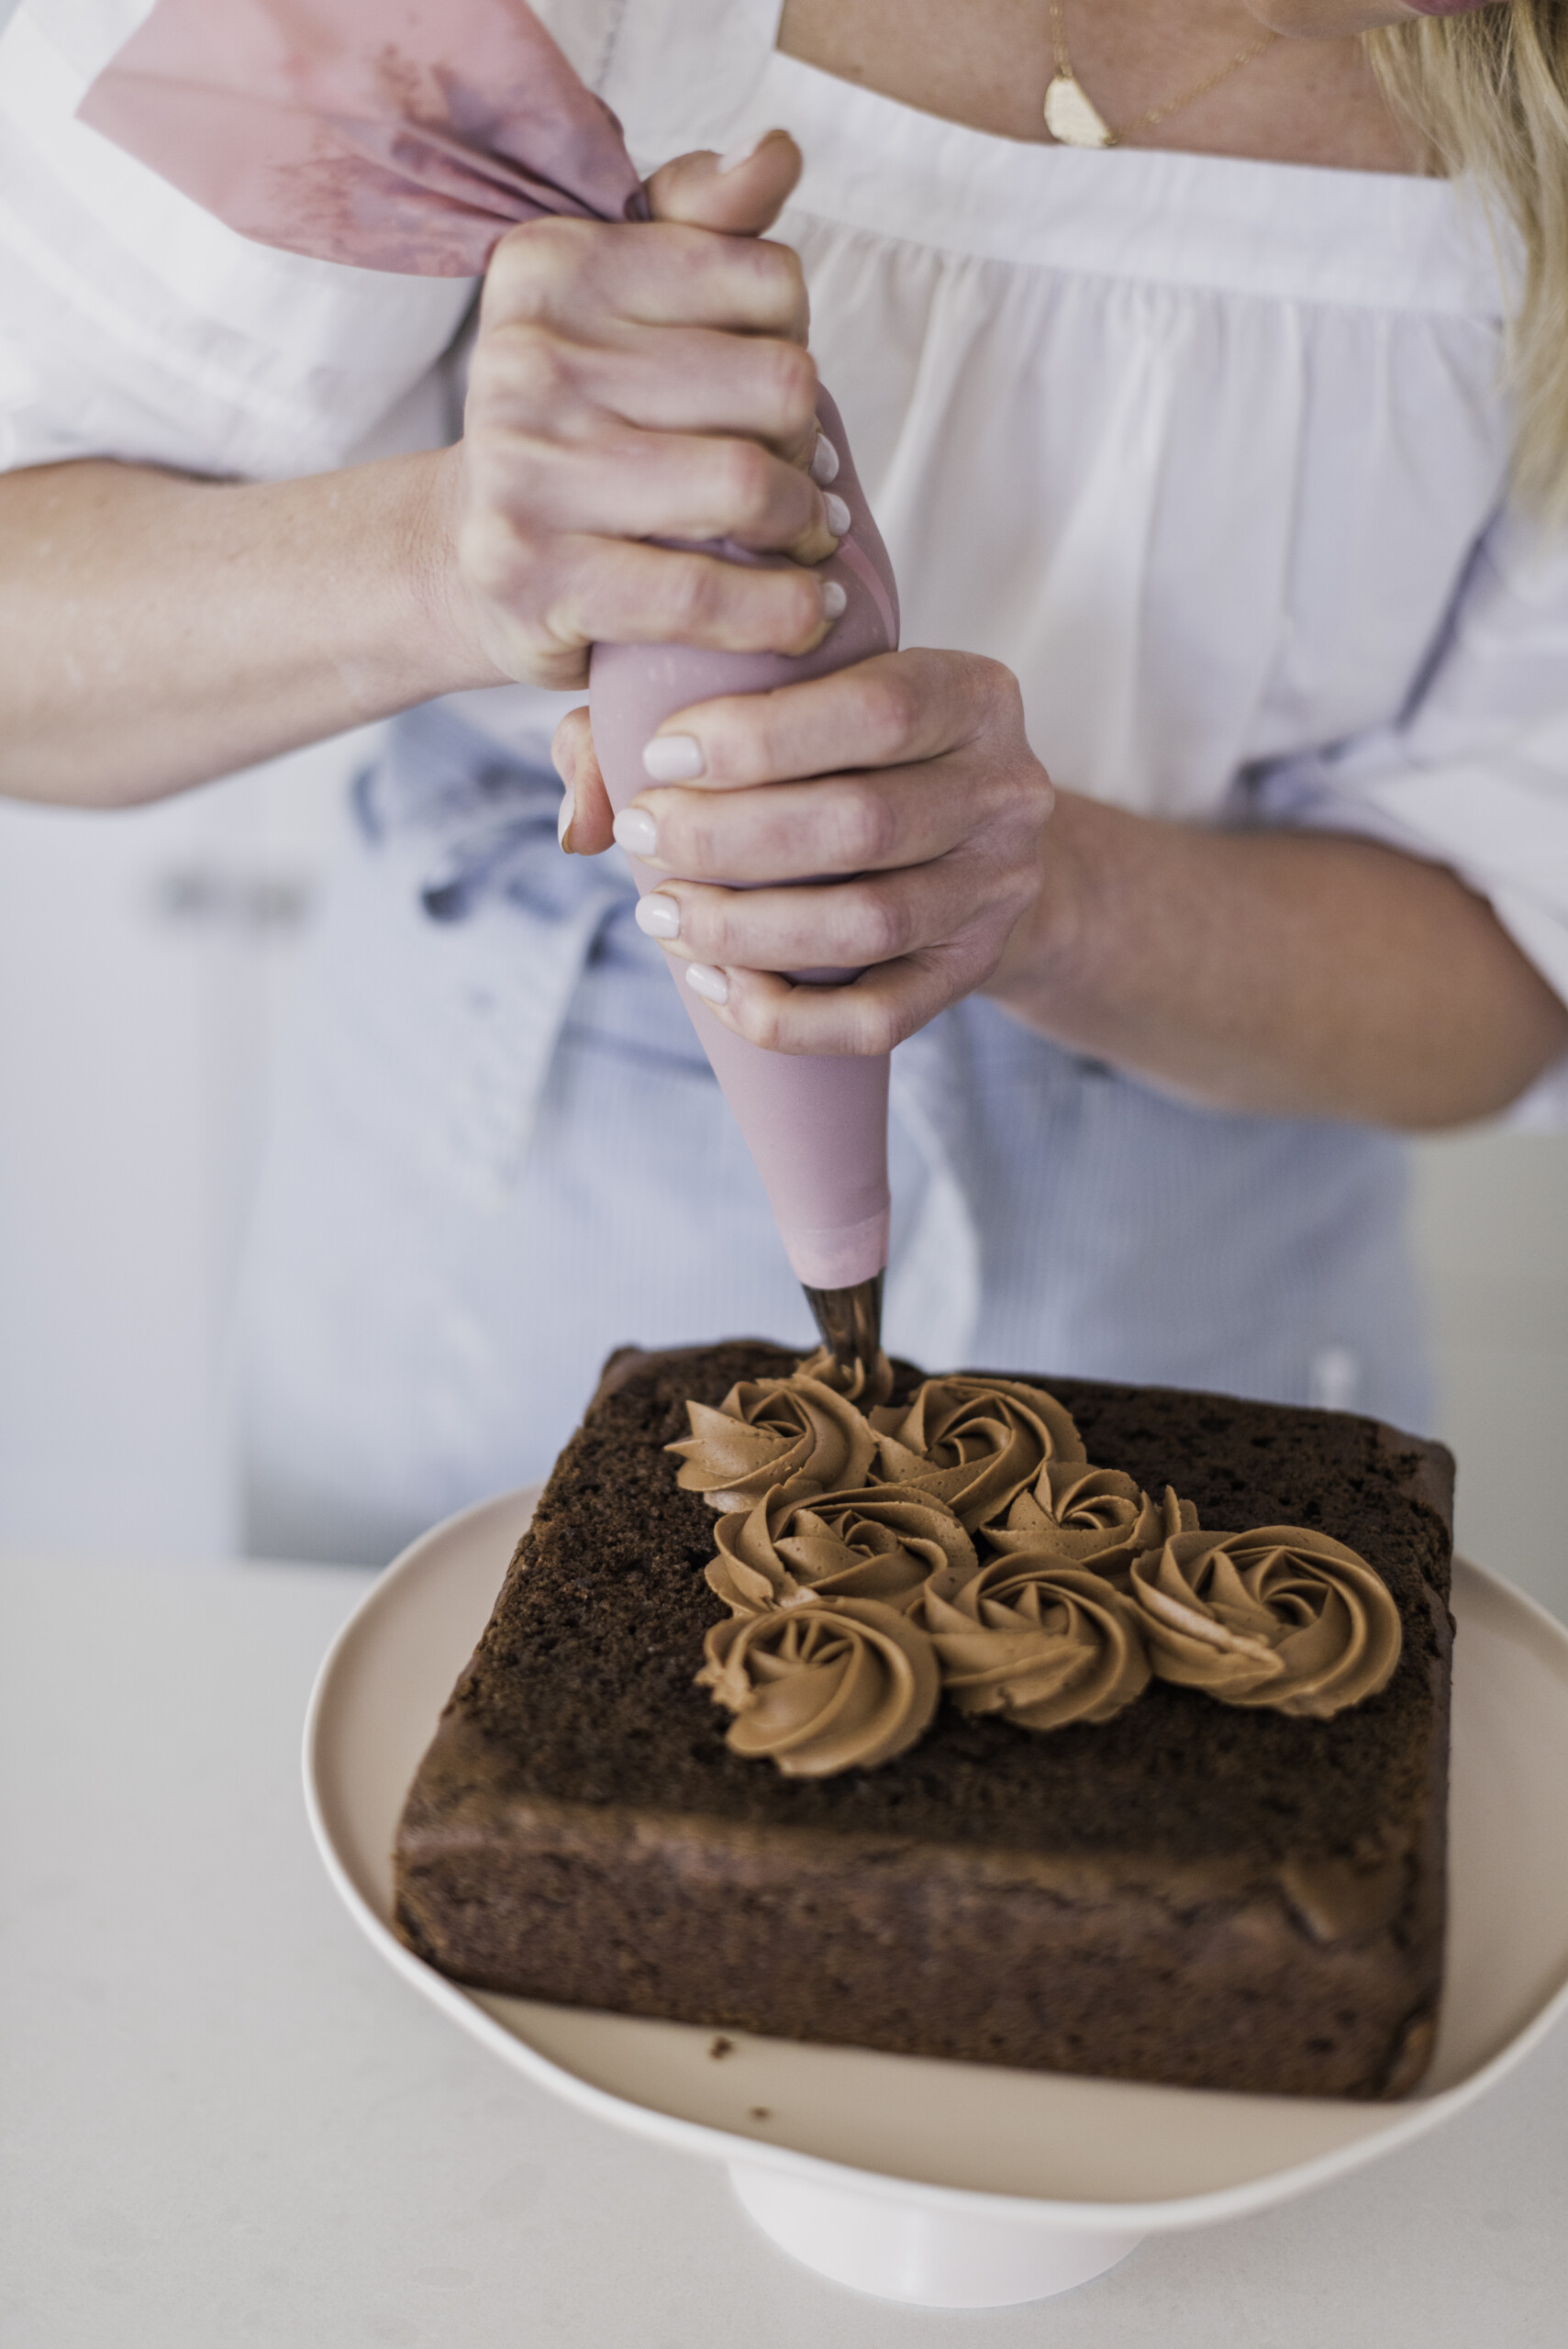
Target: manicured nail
<point x="673" y="758"/>
<point x="637" y="832"/>
<point x="658" y="915"/>
<point x="704" y="980"/>
<point x="741" y="152"/>
<point x="835" y="602"/>
<point x="838" y="514"/>
<point x="824" y="461"/>
<point x="564" y="821"/>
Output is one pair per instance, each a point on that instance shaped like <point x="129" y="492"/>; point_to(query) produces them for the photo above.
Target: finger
<point x="873" y="1014"/>
<point x="740" y="193"/>
<point x="667" y="485"/>
<point x="565" y="271"/>
<point x="672" y="379"/>
<point x="607" y="591"/>
<point x="790" y="832"/>
<point x="895" y="706"/>
<point x="586" y="815"/>
<point x="849" y="925"/>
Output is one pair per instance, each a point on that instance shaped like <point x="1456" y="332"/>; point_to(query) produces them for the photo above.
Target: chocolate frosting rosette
<point x="975" y="1444"/>
<point x="1090" y="1517"/>
<point x="1036" y="1639"/>
<point x="773" y="1431"/>
<point x="882" y="1542"/>
<point x="1281" y="1616"/>
<point x="824" y="1685"/>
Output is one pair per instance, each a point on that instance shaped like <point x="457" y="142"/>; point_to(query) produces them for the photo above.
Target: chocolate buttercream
<point x="1035" y="1639"/>
<point x="975" y="1442"/>
<point x="824" y="1685"/>
<point x="882" y="1542"/>
<point x="1090" y="1517"/>
<point x="1281" y="1615"/>
<point x="773" y="1431"/>
<point x="860" y="1385"/>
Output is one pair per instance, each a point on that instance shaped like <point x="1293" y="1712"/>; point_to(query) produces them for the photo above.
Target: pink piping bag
<point x="404" y="136"/>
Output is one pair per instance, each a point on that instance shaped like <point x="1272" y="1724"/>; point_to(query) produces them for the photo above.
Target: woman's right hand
<point x="633" y="383"/>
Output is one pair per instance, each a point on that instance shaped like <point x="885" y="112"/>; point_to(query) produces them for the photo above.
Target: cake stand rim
<point x="1409" y="2119"/>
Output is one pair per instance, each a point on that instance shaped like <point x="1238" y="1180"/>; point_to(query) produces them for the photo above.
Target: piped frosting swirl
<point x="824" y="1685"/>
<point x="774" y="1431"/>
<point x="975" y="1442"/>
<point x="1035" y="1639"/>
<point x="1090" y="1517"/>
<point x="882" y="1542"/>
<point x="1281" y="1615"/>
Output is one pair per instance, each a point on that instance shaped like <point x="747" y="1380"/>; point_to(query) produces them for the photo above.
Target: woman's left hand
<point x="901" y="798"/>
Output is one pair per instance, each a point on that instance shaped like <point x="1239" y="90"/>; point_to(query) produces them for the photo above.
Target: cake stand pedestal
<point x="968" y="2184"/>
<point x="899" y="2251"/>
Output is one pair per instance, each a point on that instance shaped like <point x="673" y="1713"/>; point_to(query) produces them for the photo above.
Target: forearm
<point x="156" y="631"/>
<point x="1282" y="973"/>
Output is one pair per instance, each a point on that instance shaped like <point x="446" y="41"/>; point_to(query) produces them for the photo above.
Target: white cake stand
<point x="965" y="2185"/>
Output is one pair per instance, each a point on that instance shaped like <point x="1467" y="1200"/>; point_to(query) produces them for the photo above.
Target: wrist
<point x="1061" y="955"/>
<point x="441" y="639"/>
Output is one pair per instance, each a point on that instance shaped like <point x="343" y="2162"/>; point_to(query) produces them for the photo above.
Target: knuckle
<point x="759" y="1021"/>
<point x="531" y="372"/>
<point x="692" y="841"/>
<point x="746" y="482"/>
<point x="799" y="604"/>
<point x="892" y="704"/>
<point x="789" y="382"/>
<point x="884" y="924"/>
<point x="687" y="595"/>
<point x="777" y="268"/>
<point x="873" y="1027"/>
<point x="532" y="264"/>
<point x="998" y="691"/>
<point x="721" y="928"/>
<point x="1019" y="888"/>
<point x="867" y="824"/>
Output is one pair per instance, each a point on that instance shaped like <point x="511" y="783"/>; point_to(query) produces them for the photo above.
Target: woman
<point x="1194" y="458"/>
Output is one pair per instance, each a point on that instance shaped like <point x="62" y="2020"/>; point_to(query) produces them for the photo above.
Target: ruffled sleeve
<point x="134" y="325"/>
<point x="1474" y="772"/>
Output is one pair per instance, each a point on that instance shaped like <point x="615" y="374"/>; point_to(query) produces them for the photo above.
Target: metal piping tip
<point x="849" y="1321"/>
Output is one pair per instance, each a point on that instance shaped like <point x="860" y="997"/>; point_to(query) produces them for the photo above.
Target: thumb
<point x="739" y="194"/>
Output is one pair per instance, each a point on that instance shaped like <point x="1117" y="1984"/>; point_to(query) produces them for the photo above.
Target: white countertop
<point x="224" y="2121"/>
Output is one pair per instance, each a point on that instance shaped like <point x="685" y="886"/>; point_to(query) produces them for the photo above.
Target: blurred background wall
<point x="145" y="962"/>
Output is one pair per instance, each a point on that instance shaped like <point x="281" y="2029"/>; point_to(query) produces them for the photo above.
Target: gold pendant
<point x="1070" y="117"/>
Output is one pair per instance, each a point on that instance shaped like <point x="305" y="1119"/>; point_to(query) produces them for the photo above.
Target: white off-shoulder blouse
<point x="1212" y="454"/>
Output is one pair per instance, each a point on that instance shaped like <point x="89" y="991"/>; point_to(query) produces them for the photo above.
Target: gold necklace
<point x="1074" y="120"/>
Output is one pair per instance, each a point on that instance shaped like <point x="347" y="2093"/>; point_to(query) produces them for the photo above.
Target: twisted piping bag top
<point x="394" y="136"/>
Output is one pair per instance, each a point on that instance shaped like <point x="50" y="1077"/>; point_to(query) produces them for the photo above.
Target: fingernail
<point x="658" y="915"/>
<point x="741" y="152"/>
<point x="834" y="600"/>
<point x="564" y="821"/>
<point x="824" y="461"/>
<point x="673" y="758"/>
<point x="637" y="832"/>
<point x="838" y="514"/>
<point x="704" y="980"/>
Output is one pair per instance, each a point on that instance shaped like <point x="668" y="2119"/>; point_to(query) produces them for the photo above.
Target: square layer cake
<point x="1196" y="1891"/>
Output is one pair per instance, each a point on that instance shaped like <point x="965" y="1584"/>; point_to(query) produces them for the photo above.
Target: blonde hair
<point x="1488" y="91"/>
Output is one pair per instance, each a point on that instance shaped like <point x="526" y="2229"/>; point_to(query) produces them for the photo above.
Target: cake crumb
<point x="760" y="2113"/>
<point x="721" y="2047"/>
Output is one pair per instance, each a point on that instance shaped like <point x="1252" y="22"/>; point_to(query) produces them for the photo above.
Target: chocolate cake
<point x="1216" y="1894"/>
